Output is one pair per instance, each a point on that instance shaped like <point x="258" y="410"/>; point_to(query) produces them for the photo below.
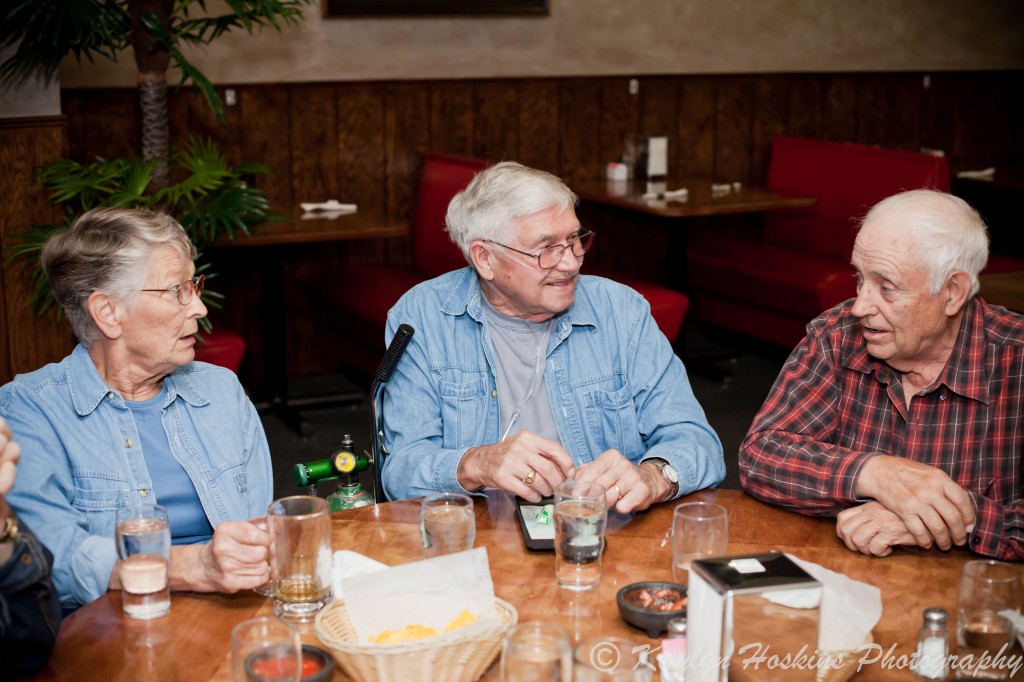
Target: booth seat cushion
<point x="221" y="347"/>
<point x="370" y="292"/>
<point x="800" y="284"/>
<point x="668" y="307"/>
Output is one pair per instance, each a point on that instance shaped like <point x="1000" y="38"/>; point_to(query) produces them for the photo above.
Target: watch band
<point x="673" y="486"/>
<point x="9" y="530"/>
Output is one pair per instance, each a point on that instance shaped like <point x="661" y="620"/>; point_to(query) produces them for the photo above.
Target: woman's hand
<point x="235" y="559"/>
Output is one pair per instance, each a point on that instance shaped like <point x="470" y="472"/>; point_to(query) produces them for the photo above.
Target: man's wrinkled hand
<point x="928" y="502"/>
<point x="872" y="529"/>
<point x="629" y="487"/>
<point x="524" y="464"/>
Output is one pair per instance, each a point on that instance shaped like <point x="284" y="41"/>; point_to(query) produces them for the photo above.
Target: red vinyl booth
<point x="221" y="347"/>
<point x="771" y="285"/>
<point x="367" y="293"/>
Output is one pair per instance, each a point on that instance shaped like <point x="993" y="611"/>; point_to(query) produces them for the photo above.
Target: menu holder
<point x="537" y="521"/>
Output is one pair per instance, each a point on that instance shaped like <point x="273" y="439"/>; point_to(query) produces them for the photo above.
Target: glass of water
<point x="580" y="520"/>
<point x="447" y="523"/>
<point x="536" y="651"/>
<point x="699" y="530"/>
<point x="144" y="547"/>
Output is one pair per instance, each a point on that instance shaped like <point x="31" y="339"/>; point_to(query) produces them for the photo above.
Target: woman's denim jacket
<point x="81" y="459"/>
<point x="612" y="377"/>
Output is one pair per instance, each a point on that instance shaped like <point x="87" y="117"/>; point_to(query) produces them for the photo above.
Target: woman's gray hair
<point x="496" y="197"/>
<point x="949" y="235"/>
<point x="108" y="250"/>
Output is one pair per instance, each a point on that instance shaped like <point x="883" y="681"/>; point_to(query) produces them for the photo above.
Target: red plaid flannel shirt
<point x="833" y="407"/>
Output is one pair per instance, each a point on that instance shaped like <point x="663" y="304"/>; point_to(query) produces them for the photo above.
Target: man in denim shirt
<point x="522" y="372"/>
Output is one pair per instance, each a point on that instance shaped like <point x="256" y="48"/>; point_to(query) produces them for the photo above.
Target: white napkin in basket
<point x="432" y="592"/>
<point x="348" y="564"/>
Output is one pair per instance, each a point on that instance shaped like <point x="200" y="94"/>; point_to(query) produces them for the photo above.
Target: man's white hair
<point x="948" y="234"/>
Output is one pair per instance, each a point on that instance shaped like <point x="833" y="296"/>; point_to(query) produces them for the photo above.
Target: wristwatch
<point x="668" y="472"/>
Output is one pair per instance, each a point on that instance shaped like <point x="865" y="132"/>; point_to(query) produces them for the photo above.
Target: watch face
<point x="670" y="473"/>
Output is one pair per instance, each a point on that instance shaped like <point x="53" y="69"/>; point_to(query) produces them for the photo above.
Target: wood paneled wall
<point x="26" y="341"/>
<point x="362" y="142"/>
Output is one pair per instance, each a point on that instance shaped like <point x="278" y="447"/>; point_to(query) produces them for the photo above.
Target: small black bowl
<point x="324" y="661"/>
<point x="654" y="622"/>
<point x="322" y="657"/>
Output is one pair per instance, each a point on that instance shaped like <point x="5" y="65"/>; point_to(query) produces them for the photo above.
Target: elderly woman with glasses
<point x="129" y="418"/>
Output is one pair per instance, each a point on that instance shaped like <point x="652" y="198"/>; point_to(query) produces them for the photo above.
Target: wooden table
<point x="297" y="230"/>
<point x="701" y="201"/>
<point x="192" y="643"/>
<point x="1005" y="289"/>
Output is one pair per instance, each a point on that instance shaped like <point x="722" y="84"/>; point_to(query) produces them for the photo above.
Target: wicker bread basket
<point x="451" y="657"/>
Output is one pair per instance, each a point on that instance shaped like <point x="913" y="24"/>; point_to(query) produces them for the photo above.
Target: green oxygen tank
<point x="347" y="465"/>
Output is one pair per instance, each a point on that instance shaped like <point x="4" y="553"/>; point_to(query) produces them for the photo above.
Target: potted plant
<point x="209" y="197"/>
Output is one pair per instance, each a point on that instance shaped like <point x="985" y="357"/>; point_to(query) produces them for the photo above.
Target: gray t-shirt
<point x="520" y="349"/>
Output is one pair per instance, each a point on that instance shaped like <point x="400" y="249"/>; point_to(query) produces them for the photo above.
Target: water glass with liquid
<point x="143" y="539"/>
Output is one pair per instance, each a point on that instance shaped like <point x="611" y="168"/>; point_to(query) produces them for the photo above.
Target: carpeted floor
<point x="730" y="407"/>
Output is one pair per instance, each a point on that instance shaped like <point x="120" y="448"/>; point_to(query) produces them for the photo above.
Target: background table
<point x="701" y="200"/>
<point x="321" y="228"/>
<point x="193" y="642"/>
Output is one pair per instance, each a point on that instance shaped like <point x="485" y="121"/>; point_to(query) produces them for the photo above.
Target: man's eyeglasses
<point x="186" y="290"/>
<point x="551" y="256"/>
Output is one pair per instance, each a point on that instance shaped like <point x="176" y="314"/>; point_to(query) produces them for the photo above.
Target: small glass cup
<point x="604" y="659"/>
<point x="989" y="592"/>
<point x="699" y="530"/>
<point x="581" y="517"/>
<point x="300" y="556"/>
<point x="447" y="523"/>
<point x="536" y="651"/>
<point x="143" y="539"/>
<point x="265" y="650"/>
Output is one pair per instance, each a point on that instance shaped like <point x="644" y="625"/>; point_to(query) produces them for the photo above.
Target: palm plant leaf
<point x="50" y="29"/>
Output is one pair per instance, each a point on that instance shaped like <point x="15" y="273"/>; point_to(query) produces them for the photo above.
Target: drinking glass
<point x="265" y="650"/>
<point x="699" y="530"/>
<point x="607" y="659"/>
<point x="144" y="548"/>
<point x="536" y="651"/>
<point x="989" y="591"/>
<point x="447" y="523"/>
<point x="580" y="520"/>
<point x="300" y="556"/>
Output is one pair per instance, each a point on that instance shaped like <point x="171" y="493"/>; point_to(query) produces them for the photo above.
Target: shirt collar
<point x="88" y="390"/>
<point x="964" y="373"/>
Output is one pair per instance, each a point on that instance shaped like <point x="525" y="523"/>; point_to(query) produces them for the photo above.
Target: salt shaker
<point x="672" y="659"/>
<point x="931" y="660"/>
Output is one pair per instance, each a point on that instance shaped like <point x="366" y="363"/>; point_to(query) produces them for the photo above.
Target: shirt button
<point x="942" y="396"/>
<point x="144" y="492"/>
<point x="127" y="442"/>
<point x="26" y="559"/>
<point x="110" y="396"/>
<point x="494" y="393"/>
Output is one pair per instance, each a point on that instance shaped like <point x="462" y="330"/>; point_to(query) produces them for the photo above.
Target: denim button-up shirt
<point x="81" y="459"/>
<point x="612" y="379"/>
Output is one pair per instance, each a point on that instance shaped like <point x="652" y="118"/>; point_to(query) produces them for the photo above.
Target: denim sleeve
<point x="29" y="607"/>
<point x="418" y="463"/>
<point x="43" y="496"/>
<point x="258" y="465"/>
<point x="668" y="413"/>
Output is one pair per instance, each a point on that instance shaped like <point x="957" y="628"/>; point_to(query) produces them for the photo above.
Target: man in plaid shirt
<point x="901" y="411"/>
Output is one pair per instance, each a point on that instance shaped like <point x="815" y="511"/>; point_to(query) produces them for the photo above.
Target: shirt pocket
<point x="463" y="412"/>
<point x="611" y="422"/>
<point x="99" y="495"/>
